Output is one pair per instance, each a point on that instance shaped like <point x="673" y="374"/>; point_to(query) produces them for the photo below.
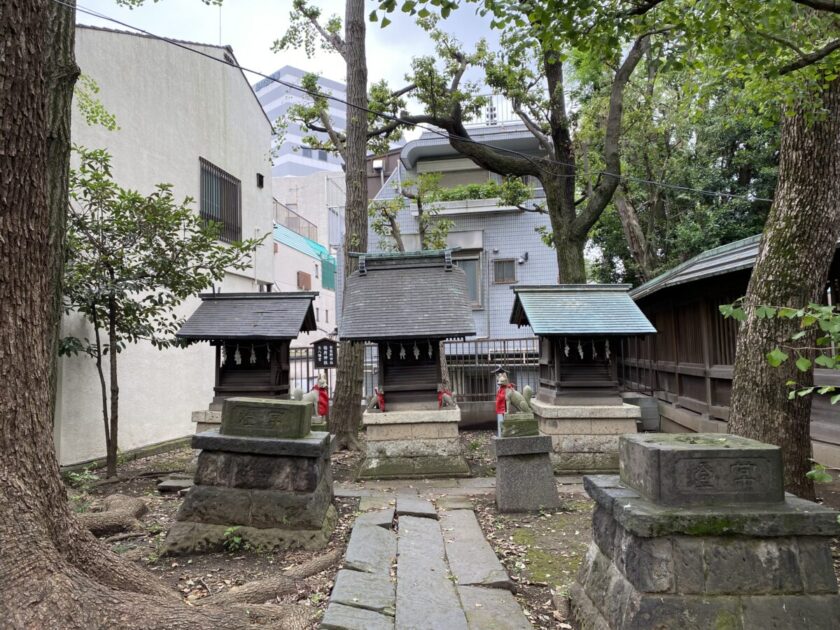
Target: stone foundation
<point x="524" y="478"/>
<point x="206" y="420"/>
<point x="263" y="476"/>
<point x="413" y="443"/>
<point x="585" y="438"/>
<point x="661" y="558"/>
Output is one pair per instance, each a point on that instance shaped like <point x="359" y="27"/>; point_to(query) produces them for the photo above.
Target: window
<point x="472" y="267"/>
<point x="304" y="281"/>
<point x="316" y="270"/>
<point x="221" y="201"/>
<point x="504" y="271"/>
<point x="317" y="314"/>
<point x="260" y="180"/>
<point x="326" y="315"/>
<point x="306" y="151"/>
<point x="322" y="155"/>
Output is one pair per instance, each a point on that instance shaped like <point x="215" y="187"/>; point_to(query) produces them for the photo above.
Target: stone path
<point x="411" y="566"/>
<point x="434" y="488"/>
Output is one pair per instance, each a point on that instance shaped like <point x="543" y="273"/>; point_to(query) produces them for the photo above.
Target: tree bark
<point x="112" y="444"/>
<point x="54" y="573"/>
<point x="791" y="269"/>
<point x="347" y="408"/>
<point x="633" y="233"/>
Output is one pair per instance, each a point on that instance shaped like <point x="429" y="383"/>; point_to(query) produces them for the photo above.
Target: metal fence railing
<point x="470" y="365"/>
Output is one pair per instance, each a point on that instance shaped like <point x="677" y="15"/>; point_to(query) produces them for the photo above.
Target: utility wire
<point x="390" y="117"/>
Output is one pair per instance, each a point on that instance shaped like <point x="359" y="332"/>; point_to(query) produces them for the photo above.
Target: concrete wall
<point x="172" y="107"/>
<point x="287" y="262"/>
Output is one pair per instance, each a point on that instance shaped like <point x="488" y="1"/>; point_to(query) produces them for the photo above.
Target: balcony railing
<point x="296" y="223"/>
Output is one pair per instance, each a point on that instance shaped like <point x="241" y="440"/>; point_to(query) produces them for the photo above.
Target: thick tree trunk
<point x="633" y="233"/>
<point x="791" y="270"/>
<point x="54" y="573"/>
<point x="347" y="408"/>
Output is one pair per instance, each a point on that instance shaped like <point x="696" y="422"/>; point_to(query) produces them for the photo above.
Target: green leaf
<point x="805" y="391"/>
<point x="776" y="357"/>
<point x="765" y="312"/>
<point x="825" y="361"/>
<point x="835" y="399"/>
<point x="385" y="22"/>
<point x="373" y="17"/>
<point x="803" y="364"/>
<point x="798" y="335"/>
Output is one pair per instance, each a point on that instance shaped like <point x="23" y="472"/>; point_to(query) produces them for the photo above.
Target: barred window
<point x="504" y="271"/>
<point x="221" y="201"/>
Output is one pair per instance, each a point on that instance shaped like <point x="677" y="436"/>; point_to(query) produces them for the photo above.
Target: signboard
<point x="326" y="353"/>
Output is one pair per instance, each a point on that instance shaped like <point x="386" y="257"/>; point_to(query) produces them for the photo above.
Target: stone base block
<point x="194" y="537"/>
<point x="260" y="472"/>
<point x="585" y="438"/>
<point x="524" y="476"/>
<point x="412" y="416"/>
<point x="443" y="447"/>
<point x="219" y="505"/>
<point x="206" y="420"/>
<point x="412" y="431"/>
<point x="414" y="467"/>
<point x="520" y="425"/>
<point x="605" y="599"/>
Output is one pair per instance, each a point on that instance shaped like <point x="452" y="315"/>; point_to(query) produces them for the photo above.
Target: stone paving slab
<point x="376" y="503"/>
<point x="340" y="617"/>
<point x="413" y="506"/>
<point x="471" y="559"/>
<point x="492" y="609"/>
<point x="378" y="518"/>
<point x="371" y="549"/>
<point x="426" y="597"/>
<point x="372" y="591"/>
<point x="447" y="502"/>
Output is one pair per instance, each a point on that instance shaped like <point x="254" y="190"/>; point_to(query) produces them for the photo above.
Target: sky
<point x="251" y="26"/>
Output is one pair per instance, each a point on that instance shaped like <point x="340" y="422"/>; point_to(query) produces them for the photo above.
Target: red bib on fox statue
<point x="323" y="400"/>
<point x="501" y="397"/>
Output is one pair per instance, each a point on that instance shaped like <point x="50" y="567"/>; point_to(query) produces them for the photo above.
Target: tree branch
<point x="542" y="138"/>
<point x="334" y="39"/>
<point x="335" y="138"/>
<point x="810" y="58"/>
<point x="603" y="191"/>
<point x="640" y="9"/>
<point x="832" y="6"/>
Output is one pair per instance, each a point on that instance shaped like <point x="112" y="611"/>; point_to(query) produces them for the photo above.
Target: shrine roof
<point x="415" y="295"/>
<point x="579" y="309"/>
<point x="250" y="316"/>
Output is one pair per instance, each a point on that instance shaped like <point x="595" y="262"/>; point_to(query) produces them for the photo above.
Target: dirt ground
<point x="541" y="552"/>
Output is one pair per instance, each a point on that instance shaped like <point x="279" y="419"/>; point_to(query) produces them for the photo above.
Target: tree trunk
<point x="54" y="573"/>
<point x="636" y="241"/>
<point x="791" y="270"/>
<point x="112" y="444"/>
<point x="347" y="408"/>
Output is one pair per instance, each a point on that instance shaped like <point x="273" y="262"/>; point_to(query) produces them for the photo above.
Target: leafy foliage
<point x="813" y="345"/>
<point x="131" y="260"/>
<point x="85" y="93"/>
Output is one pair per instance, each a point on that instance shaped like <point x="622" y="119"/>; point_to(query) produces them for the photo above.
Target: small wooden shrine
<point x="580" y="328"/>
<point x="407" y="303"/>
<point x="252" y="333"/>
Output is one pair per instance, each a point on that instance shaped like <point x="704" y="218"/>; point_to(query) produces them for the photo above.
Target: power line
<point x="390" y="117"/>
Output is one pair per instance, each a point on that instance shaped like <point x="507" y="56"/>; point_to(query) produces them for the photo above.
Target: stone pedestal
<point x="413" y="443"/>
<point x="263" y="473"/>
<point x="520" y="424"/>
<point x="698" y="533"/>
<point x="584" y="439"/>
<point x="524" y="478"/>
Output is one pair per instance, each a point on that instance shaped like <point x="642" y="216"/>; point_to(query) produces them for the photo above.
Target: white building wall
<point x="287" y="262"/>
<point x="172" y="107"/>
